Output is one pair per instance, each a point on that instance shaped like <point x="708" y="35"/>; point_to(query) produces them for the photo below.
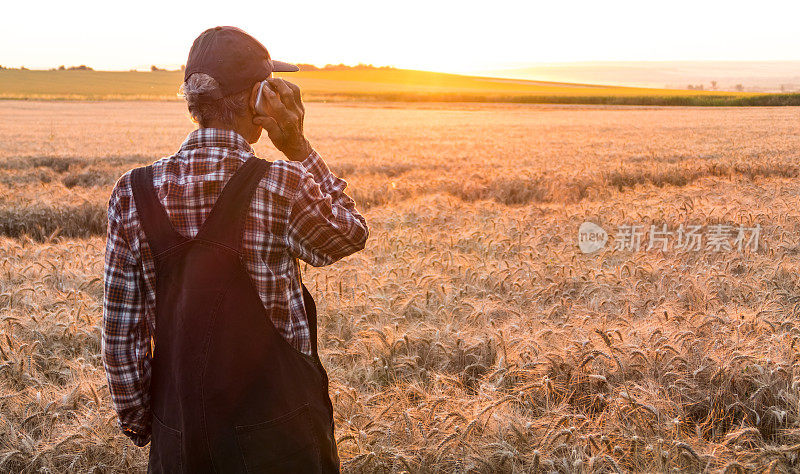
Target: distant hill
<point x="371" y="84"/>
<point x="752" y="76"/>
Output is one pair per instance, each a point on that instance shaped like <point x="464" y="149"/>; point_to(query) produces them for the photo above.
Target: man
<point x="201" y="260"/>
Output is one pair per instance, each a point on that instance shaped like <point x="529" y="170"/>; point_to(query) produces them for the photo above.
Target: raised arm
<point x="324" y="225"/>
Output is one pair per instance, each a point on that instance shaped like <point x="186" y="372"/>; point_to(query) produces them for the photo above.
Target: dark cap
<point x="233" y="58"/>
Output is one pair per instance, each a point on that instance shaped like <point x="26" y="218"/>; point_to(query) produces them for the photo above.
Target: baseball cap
<point x="233" y="58"/>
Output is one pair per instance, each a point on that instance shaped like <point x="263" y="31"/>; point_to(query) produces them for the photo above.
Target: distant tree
<point x="183" y="67"/>
<point x="82" y="67"/>
<point x="713" y="85"/>
<point x="690" y="87"/>
<point x="62" y="68"/>
<point x="23" y="68"/>
<point x="307" y="67"/>
<point x="153" y="68"/>
<point x="739" y="87"/>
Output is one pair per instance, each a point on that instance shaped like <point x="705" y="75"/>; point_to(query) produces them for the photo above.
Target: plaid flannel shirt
<point x="298" y="211"/>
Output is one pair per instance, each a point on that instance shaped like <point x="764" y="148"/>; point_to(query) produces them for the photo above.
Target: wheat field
<point x="471" y="335"/>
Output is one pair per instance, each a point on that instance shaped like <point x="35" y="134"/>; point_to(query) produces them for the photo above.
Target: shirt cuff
<point x="139" y="434"/>
<point x="139" y="439"/>
<point x="316" y="166"/>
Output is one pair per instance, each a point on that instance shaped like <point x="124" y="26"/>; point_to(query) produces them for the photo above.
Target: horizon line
<point x="498" y="68"/>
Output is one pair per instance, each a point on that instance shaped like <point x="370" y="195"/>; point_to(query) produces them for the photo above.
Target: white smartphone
<point x="260" y="107"/>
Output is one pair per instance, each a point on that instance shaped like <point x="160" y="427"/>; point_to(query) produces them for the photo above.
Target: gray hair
<point x="224" y="110"/>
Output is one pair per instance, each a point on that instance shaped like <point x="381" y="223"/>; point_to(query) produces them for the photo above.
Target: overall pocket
<point x="165" y="449"/>
<point x="284" y="444"/>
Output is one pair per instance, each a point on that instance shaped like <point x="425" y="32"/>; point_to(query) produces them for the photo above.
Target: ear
<point x="253" y="96"/>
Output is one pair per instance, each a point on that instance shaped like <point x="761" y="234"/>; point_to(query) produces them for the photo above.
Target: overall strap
<point x="311" y="315"/>
<point x="225" y="224"/>
<point x="161" y="236"/>
<point x="311" y="312"/>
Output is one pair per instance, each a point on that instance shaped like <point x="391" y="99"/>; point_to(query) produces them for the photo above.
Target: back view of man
<point x="209" y="335"/>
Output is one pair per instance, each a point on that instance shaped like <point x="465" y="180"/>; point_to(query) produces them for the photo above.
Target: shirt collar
<point x="215" y="137"/>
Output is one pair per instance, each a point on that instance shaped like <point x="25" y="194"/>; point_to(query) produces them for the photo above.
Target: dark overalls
<point x="228" y="392"/>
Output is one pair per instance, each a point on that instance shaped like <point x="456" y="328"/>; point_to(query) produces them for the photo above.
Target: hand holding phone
<point x="279" y="109"/>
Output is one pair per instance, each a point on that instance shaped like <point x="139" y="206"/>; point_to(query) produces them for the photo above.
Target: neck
<point x="251" y="134"/>
<point x="220" y="125"/>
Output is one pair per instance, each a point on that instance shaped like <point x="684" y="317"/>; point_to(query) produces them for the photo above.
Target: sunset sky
<point x="450" y="36"/>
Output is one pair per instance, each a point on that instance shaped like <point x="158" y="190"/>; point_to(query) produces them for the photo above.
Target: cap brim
<point x="280" y="66"/>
